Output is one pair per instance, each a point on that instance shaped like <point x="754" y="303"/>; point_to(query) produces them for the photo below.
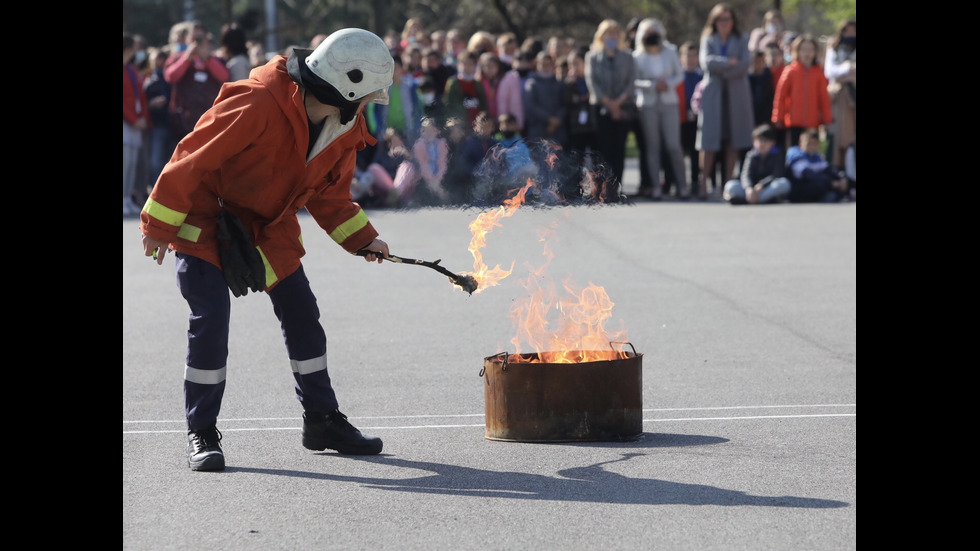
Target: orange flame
<point x="480" y="227"/>
<point x="580" y="333"/>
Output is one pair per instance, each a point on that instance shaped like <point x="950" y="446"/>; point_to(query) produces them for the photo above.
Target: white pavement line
<point x="410" y="427"/>
<point x="648" y="410"/>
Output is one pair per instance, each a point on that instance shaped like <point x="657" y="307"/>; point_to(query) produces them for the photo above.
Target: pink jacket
<point x="510" y="96"/>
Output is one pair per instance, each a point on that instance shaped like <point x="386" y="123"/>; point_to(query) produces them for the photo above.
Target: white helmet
<point x="357" y="63"/>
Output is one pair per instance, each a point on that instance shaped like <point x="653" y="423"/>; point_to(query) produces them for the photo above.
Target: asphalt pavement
<point x="745" y="317"/>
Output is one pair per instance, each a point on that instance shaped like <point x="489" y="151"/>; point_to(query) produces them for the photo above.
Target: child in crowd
<point x="762" y="88"/>
<point x="762" y="179"/>
<point x="431" y="153"/>
<point x="376" y="183"/>
<point x="776" y="64"/>
<point x="812" y="179"/>
<point x="689" y="122"/>
<point x="457" y="132"/>
<point x="432" y="106"/>
<point x="802" y="100"/>
<point x="466" y="157"/>
<point x="507" y="165"/>
<point x="514" y="150"/>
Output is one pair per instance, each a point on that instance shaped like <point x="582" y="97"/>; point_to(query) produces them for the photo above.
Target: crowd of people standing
<point x="465" y="110"/>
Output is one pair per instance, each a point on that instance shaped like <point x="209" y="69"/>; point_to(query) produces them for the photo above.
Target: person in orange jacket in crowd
<point x="801" y="100"/>
<point x="283" y="140"/>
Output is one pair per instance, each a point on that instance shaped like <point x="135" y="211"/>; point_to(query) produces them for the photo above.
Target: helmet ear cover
<point x="322" y="90"/>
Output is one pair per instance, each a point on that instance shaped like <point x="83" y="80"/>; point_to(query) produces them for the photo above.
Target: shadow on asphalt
<point x="590" y="484"/>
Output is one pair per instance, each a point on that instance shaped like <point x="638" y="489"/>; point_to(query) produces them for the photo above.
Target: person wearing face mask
<point x="432" y="105"/>
<point x="771" y="31"/>
<point x="436" y="70"/>
<point x="840" y="68"/>
<point x="658" y="73"/>
<point x="403" y="111"/>
<point x="610" y="73"/>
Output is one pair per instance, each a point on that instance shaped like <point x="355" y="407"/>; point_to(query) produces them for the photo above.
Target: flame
<point x="580" y="333"/>
<point x="480" y="227"/>
<point x="552" y="154"/>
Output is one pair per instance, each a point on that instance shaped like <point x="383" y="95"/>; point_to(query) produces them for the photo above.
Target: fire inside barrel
<point x="575" y="386"/>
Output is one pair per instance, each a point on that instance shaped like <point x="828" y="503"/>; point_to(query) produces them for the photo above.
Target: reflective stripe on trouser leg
<point x="306" y="343"/>
<point x="203" y="287"/>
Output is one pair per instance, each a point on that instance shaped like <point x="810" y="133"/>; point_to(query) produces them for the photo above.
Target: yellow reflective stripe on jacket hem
<point x="350" y="227"/>
<point x="189" y="232"/>
<point x="305" y="367"/>
<point x="270" y="274"/>
<point x="204" y="376"/>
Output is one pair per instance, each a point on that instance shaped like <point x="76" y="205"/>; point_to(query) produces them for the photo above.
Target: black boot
<point x="204" y="450"/>
<point x="332" y="430"/>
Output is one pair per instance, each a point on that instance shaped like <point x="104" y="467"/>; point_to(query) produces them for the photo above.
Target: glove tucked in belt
<point x="240" y="260"/>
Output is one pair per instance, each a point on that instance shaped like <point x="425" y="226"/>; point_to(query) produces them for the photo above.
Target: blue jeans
<point x="776" y="191"/>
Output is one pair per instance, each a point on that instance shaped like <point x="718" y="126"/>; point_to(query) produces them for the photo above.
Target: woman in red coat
<point x="802" y="100"/>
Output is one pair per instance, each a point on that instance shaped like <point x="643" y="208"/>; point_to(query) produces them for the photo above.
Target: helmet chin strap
<point x="348" y="112"/>
<point x="325" y="93"/>
<point x="329" y="95"/>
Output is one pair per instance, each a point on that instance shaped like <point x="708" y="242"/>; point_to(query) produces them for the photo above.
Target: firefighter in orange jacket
<point x="283" y="140"/>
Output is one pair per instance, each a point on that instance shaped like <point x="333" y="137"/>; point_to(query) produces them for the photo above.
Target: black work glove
<point x="240" y="260"/>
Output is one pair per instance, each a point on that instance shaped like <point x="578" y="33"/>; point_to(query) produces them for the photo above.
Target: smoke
<point x="555" y="177"/>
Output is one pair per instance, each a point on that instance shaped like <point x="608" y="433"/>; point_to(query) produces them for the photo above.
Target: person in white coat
<point x="658" y="73"/>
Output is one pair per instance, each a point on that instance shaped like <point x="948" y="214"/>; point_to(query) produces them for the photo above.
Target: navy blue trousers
<point x="203" y="287"/>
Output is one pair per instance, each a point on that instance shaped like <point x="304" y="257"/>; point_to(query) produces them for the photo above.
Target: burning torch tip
<point x="467" y="283"/>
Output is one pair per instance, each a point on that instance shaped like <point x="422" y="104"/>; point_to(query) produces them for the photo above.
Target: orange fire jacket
<point x="250" y="150"/>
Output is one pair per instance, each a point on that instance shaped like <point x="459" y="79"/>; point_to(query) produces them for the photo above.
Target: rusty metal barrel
<point x="527" y="400"/>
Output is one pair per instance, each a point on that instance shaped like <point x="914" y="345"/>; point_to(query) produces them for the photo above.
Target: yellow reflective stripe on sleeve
<point x="170" y="216"/>
<point x="350" y="227"/>
<point x="164" y="214"/>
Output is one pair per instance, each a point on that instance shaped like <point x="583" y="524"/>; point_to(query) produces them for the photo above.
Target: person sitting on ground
<point x="431" y="151"/>
<point x="465" y="163"/>
<point x="515" y="152"/>
<point x="811" y="177"/>
<point x="763" y="176"/>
